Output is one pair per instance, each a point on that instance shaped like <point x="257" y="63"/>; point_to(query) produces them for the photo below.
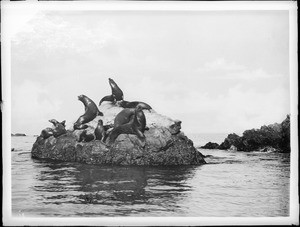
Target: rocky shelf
<point x="165" y="144"/>
<point x="271" y="138"/>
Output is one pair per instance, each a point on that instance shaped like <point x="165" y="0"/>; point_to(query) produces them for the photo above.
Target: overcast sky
<point x="224" y="71"/>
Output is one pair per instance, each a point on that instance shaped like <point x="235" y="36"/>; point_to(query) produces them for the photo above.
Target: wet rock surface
<point x="165" y="144"/>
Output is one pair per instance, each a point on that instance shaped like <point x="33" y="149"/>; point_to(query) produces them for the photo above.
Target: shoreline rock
<point x="165" y="144"/>
<point x="18" y="134"/>
<point x="272" y="138"/>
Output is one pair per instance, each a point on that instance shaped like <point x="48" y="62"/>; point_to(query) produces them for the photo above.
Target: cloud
<point x="223" y="69"/>
<point x="32" y="106"/>
<point x="235" y="111"/>
<point x="54" y="34"/>
<point x="221" y="64"/>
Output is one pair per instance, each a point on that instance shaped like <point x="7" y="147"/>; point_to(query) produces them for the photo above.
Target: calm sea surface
<point x="234" y="184"/>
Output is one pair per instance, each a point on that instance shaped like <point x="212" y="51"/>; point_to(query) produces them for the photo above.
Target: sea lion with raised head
<point x="100" y="131"/>
<point x="59" y="127"/>
<point x="55" y="122"/>
<point x="129" y="121"/>
<point x="91" y="111"/>
<point x="59" y="130"/>
<point x="117" y="93"/>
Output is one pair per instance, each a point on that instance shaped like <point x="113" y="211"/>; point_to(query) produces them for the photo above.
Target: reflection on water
<point x="231" y="184"/>
<point x="81" y="183"/>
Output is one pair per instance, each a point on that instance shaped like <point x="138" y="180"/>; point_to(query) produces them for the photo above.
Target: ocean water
<point x="231" y="184"/>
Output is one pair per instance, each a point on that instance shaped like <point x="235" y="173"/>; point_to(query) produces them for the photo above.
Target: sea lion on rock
<point x="128" y="114"/>
<point x="100" y="131"/>
<point x="80" y="127"/>
<point x="91" y="111"/>
<point x="129" y="121"/>
<point x="55" y="122"/>
<point x="84" y="137"/>
<point x="126" y="104"/>
<point x="59" y="130"/>
<point x="46" y="133"/>
<point x="117" y="93"/>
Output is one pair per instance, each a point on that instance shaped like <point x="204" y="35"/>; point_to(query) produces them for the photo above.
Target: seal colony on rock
<point x="57" y="130"/>
<point x="119" y="136"/>
<point x="91" y="111"/>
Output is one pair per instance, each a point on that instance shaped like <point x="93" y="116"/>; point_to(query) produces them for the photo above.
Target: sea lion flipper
<point x="99" y="113"/>
<point x="109" y="98"/>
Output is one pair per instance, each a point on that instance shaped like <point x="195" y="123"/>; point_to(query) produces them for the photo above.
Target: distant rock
<point x="18" y="134"/>
<point x="210" y="145"/>
<point x="271" y="138"/>
<point x="165" y="144"/>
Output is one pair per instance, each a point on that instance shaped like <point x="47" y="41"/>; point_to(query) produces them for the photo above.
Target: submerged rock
<point x="165" y="144"/>
<point x="210" y="145"/>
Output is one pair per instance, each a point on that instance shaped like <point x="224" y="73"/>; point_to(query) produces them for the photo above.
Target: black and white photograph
<point x="149" y="113"/>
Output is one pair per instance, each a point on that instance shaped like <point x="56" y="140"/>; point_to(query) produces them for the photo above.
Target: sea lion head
<point x="81" y="97"/>
<point x="53" y="121"/>
<point x="63" y="122"/>
<point x="139" y="107"/>
<point x="100" y="122"/>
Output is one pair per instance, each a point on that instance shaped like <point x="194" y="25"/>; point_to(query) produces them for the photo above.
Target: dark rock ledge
<point x="18" y="134"/>
<point x="165" y="144"/>
<point x="271" y="138"/>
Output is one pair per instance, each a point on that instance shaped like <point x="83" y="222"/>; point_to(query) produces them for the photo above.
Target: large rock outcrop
<point x="165" y="144"/>
<point x="274" y="137"/>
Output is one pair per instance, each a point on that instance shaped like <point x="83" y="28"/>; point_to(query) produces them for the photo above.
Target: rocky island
<point x="162" y="142"/>
<point x="117" y="132"/>
<point x="274" y="137"/>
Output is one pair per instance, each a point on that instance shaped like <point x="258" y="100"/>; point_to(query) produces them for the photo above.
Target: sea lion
<point x="84" y="137"/>
<point x="55" y="122"/>
<point x="59" y="130"/>
<point x="117" y="93"/>
<point x="80" y="127"/>
<point x="100" y="131"/>
<point x="91" y="111"/>
<point x="46" y="133"/>
<point x="126" y="104"/>
<point x="129" y="121"/>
